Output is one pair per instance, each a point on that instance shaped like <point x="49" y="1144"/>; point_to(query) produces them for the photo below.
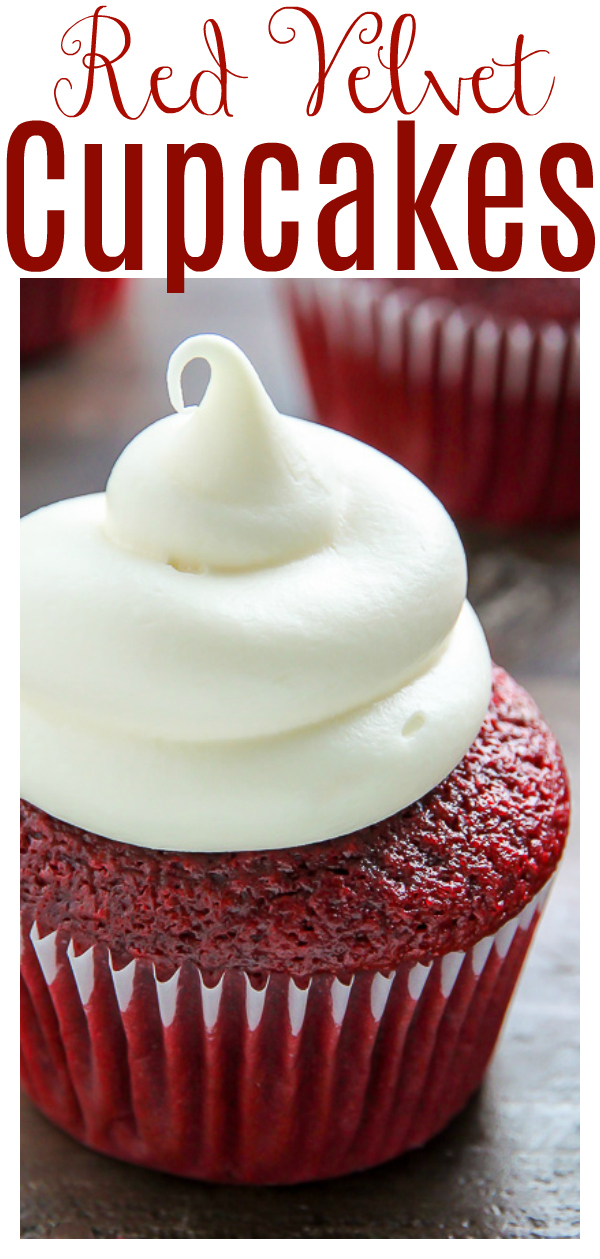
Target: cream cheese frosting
<point x="257" y="637"/>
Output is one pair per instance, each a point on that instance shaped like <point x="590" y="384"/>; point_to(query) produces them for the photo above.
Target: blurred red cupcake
<point x="471" y="384"/>
<point x="56" y="311"/>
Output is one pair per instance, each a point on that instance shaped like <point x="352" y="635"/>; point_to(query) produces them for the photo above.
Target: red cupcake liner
<point x="56" y="310"/>
<point x="486" y="413"/>
<point x="212" y="1077"/>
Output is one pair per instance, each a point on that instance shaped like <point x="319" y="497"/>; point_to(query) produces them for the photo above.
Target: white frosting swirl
<point x="257" y="637"/>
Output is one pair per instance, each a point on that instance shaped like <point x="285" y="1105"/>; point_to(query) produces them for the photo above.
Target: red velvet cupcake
<point x="285" y="979"/>
<point x="471" y="384"/>
<point x="56" y="311"/>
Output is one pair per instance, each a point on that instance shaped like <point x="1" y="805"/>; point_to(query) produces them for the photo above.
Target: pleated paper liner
<point x="217" y="1079"/>
<point x="485" y="413"/>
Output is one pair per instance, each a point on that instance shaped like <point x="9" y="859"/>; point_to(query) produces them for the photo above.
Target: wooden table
<point x="507" y="1167"/>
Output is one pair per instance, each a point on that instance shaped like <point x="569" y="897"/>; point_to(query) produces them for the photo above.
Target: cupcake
<point x="56" y="311"/>
<point x="471" y="384"/>
<point x="286" y="832"/>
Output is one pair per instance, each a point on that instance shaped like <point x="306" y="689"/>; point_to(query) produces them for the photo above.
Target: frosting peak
<point x="226" y="484"/>
<point x="257" y="637"/>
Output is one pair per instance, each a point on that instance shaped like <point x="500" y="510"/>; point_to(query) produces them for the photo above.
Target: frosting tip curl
<point x="226" y="484"/>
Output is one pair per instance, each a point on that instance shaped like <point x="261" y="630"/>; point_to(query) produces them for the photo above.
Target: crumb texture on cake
<point x="434" y="878"/>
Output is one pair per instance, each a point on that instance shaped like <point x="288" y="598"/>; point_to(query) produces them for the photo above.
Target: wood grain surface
<point x="507" y="1167"/>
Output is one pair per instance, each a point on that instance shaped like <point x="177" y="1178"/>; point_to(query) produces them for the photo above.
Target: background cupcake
<point x="56" y="311"/>
<point x="471" y="384"/>
<point x="272" y="1009"/>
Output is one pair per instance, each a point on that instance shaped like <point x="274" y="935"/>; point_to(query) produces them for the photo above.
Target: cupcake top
<point x="257" y="637"/>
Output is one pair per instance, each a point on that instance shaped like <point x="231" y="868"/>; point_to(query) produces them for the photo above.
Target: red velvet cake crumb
<point x="434" y="878"/>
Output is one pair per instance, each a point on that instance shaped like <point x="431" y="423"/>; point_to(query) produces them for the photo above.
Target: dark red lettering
<point x="177" y="254"/>
<point x="584" y="178"/>
<point x="480" y="201"/>
<point x="253" y="207"/>
<point x="15" y="196"/>
<point x="94" y="60"/>
<point x="362" y="196"/>
<point x="518" y="65"/>
<point x="411" y="207"/>
<point x="157" y="77"/>
<point x="131" y="253"/>
<point x="480" y="77"/>
<point x="221" y="75"/>
<point x="315" y="99"/>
